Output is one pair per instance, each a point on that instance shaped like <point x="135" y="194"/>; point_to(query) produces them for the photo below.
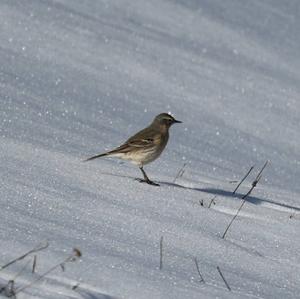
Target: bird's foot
<point x="148" y="182"/>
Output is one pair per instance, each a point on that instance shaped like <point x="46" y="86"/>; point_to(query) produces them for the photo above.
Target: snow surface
<point x="79" y="77"/>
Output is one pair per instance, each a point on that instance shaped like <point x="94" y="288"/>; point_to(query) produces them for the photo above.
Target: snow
<point x="79" y="77"/>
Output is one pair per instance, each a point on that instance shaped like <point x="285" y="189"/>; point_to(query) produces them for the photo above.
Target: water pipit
<point x="145" y="146"/>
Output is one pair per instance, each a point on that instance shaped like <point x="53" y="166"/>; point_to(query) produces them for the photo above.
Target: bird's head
<point x="165" y="120"/>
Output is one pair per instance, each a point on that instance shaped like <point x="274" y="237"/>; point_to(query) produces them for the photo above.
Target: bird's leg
<point x="146" y="179"/>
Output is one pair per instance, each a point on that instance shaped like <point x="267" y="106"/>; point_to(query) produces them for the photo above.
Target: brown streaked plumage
<point x="146" y="145"/>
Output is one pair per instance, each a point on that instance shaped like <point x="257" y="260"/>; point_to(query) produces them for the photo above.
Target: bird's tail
<point x="95" y="157"/>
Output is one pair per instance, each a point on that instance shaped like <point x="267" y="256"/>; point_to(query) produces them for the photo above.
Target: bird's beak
<point x="177" y="121"/>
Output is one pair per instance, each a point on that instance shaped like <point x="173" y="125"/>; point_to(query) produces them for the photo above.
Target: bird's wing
<point x="143" y="139"/>
<point x="146" y="138"/>
<point x="133" y="144"/>
<point x="141" y="142"/>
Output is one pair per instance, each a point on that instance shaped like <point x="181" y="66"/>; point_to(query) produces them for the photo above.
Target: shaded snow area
<point x="78" y="77"/>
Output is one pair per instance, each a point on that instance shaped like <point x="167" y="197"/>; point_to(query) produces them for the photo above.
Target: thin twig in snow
<point x="257" y="179"/>
<point x="9" y="290"/>
<point x="293" y="215"/>
<point x="212" y="201"/>
<point x="243" y="179"/>
<point x="38" y="248"/>
<point x="254" y="183"/>
<point x="34" y="264"/>
<point x="73" y="257"/>
<point x="161" y="253"/>
<point x="76" y="286"/>
<point x="221" y="274"/>
<point x="238" y="211"/>
<point x="198" y="270"/>
<point x="180" y="173"/>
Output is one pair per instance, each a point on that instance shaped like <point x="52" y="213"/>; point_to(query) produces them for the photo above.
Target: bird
<point x="145" y="146"/>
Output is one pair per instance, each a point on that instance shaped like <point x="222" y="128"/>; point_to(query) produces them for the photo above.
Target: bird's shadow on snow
<point x="225" y="193"/>
<point x="221" y="192"/>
